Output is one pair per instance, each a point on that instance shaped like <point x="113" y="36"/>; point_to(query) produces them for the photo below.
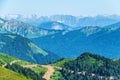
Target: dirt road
<point x="30" y="66"/>
<point x="47" y="75"/>
<point x="4" y="65"/>
<point x="49" y="72"/>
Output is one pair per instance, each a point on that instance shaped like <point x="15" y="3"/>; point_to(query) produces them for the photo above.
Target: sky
<point x="66" y="7"/>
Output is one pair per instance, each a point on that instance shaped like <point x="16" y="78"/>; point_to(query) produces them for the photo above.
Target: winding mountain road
<point x="14" y="62"/>
<point x="47" y="75"/>
<point x="4" y="65"/>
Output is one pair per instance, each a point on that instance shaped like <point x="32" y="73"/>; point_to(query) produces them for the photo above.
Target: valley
<point x="76" y="40"/>
<point x="58" y="48"/>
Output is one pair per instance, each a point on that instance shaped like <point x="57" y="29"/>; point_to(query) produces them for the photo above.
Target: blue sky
<point x="68" y="7"/>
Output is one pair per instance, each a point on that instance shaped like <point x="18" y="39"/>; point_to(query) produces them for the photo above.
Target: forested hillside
<point x="91" y="67"/>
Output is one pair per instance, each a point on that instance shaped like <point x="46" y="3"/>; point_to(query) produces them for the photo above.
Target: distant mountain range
<point x="100" y="34"/>
<point x="25" y="49"/>
<point x="69" y="20"/>
<point x="114" y="25"/>
<point x="23" y="29"/>
<point x="92" y="39"/>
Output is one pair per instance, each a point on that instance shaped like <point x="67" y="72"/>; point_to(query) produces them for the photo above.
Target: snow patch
<point x="57" y="27"/>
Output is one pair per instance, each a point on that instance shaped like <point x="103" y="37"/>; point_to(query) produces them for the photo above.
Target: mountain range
<point x="23" y="29"/>
<point x="92" y="39"/>
<point x="66" y="38"/>
<point x="69" y="20"/>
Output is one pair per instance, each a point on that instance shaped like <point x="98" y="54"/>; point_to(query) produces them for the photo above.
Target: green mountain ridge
<point x="23" y="48"/>
<point x="91" y="67"/>
<point x="62" y="61"/>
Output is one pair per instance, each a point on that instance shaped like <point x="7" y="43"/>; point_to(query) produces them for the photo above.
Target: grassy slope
<point x="39" y="70"/>
<point x="6" y="59"/>
<point x="22" y="63"/>
<point x="61" y="62"/>
<point x="6" y="74"/>
<point x="36" y="49"/>
<point x="57" y="75"/>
